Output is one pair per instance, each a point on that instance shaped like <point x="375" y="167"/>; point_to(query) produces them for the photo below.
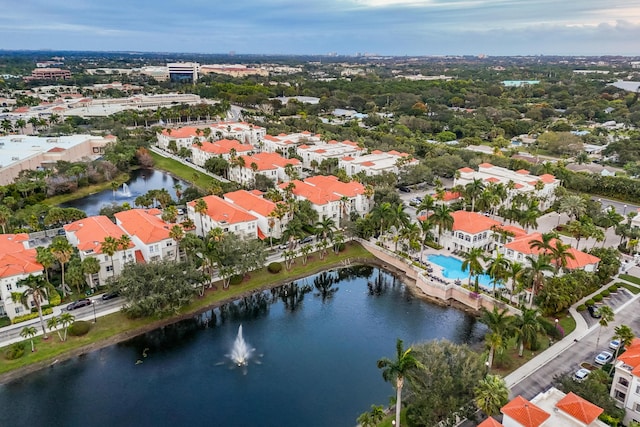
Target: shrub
<point x="274" y="267"/>
<point x="30" y="316"/>
<point x="613" y="288"/>
<point x="342" y="246"/>
<point x="79" y="328"/>
<point x="54" y="297"/>
<point x="236" y="279"/>
<point x="589" y="302"/>
<point x="581" y="307"/>
<point x="15" y="351"/>
<point x="597" y="298"/>
<point x="605" y="293"/>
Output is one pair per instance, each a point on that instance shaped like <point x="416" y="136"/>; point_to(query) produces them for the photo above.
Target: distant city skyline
<point x="344" y="27"/>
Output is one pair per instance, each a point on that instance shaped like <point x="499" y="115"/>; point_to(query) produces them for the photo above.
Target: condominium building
<point x="149" y="233"/>
<point x="263" y="209"/>
<point x="225" y="148"/>
<point x="625" y="388"/>
<point x="271" y="165"/>
<point x="285" y="142"/>
<point x="219" y="213"/>
<point x="377" y="162"/>
<point x="313" y="154"/>
<point x="49" y="74"/>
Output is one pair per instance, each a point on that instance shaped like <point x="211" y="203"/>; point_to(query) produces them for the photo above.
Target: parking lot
<point x="614" y="301"/>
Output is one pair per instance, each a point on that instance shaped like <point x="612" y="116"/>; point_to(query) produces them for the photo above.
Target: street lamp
<point x="486" y="365"/>
<point x="559" y="215"/>
<point x="95" y="319"/>
<point x="625" y="210"/>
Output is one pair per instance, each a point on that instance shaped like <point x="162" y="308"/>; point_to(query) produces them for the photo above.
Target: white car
<point x="581" y="374"/>
<point x="614" y="344"/>
<point x="604" y="358"/>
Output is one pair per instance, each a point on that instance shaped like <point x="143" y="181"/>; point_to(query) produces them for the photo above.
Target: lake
<point x="316" y="344"/>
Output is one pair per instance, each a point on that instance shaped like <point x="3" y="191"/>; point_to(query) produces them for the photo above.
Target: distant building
<point x="376" y="163"/>
<point x="183" y="72"/>
<point x="519" y="83"/>
<point x="284" y="142"/>
<point x="205" y="150"/>
<point x="271" y="165"/>
<point x="236" y="70"/>
<point x="320" y="151"/>
<point x="49" y="74"/>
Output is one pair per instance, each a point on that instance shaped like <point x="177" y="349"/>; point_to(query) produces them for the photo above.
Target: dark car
<point x="110" y="295"/>
<point x="80" y="303"/>
<point x="593" y="311"/>
<point x="404" y="189"/>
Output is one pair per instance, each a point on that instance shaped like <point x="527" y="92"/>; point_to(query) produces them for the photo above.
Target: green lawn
<point x="633" y="289"/>
<point x="632" y="279"/>
<point x="114" y="324"/>
<point x="183" y="171"/>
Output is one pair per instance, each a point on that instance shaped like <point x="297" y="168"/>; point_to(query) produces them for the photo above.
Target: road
<point x="584" y="350"/>
<point x="621" y="207"/>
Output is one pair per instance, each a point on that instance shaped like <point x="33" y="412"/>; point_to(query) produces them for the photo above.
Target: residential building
<point x="183" y="137"/>
<point x="625" y="388"/>
<point x="552" y="408"/>
<point x="263" y="209"/>
<point x="313" y="154"/>
<point x="376" y="163"/>
<point x="332" y="198"/>
<point x="183" y="72"/>
<point x="244" y="132"/>
<point x="470" y="230"/>
<point x="204" y="150"/>
<point x="287" y="143"/>
<point x="17" y="262"/>
<point x="88" y="234"/>
<point x="271" y="165"/>
<point x="592" y="168"/>
<point x="149" y="233"/>
<point x="222" y="214"/>
<point x="520" y="181"/>
<point x="49" y="74"/>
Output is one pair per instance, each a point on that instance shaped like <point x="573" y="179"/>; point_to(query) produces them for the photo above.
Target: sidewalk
<point x="577" y="334"/>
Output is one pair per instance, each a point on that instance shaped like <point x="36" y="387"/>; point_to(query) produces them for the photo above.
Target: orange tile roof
<point x="631" y="357"/>
<point x="492" y="179"/>
<point x="347" y="158"/>
<point x="518" y="185"/>
<point x="268" y="161"/>
<point x="144" y="224"/>
<point x="472" y="222"/>
<point x="523" y="172"/>
<point x="465" y="170"/>
<point x="376" y="152"/>
<point x="224" y="146"/>
<point x="56" y="150"/>
<point x="485" y="165"/>
<point x="517" y="231"/>
<point x="185" y="132"/>
<point x="15" y="259"/>
<point x="91" y="232"/>
<point x="367" y="163"/>
<point x="321" y="190"/>
<point x="579" y="408"/>
<point x="580" y="259"/>
<point x="251" y="202"/>
<point x="523" y="244"/>
<point x="547" y="178"/>
<point x="449" y="195"/>
<point x="525" y="412"/>
<point x="222" y="211"/>
<point x="490" y="422"/>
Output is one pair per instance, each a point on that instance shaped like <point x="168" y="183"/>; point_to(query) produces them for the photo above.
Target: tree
<point x="535" y="273"/>
<point x="305" y="250"/>
<point x="200" y="208"/>
<point x="29" y="332"/>
<point x="499" y="323"/>
<point x="45" y="258"/>
<point x="573" y="205"/>
<point x="109" y="246"/>
<point x="177" y="233"/>
<point x="472" y="190"/>
<point x="491" y="394"/>
<point x="625" y="335"/>
<point x="395" y="371"/>
<point x="52" y="324"/>
<point x="472" y="261"/>
<point x="498" y="270"/>
<point x="90" y="266"/>
<point x="373" y="417"/>
<point x="62" y="251"/>
<point x="36" y="290"/>
<point x="442" y="218"/>
<point x="606" y="316"/>
<point x="66" y="319"/>
<point x="5" y="216"/>
<point x="526" y="327"/>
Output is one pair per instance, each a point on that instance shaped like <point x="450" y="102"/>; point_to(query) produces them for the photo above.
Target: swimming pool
<point x="452" y="269"/>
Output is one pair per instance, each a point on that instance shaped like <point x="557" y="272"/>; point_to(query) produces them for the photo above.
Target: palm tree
<point x="66" y="319"/>
<point x="544" y="243"/>
<point x="45" y="258"/>
<point x="62" y="251"/>
<point x="338" y="240"/>
<point x="396" y="370"/>
<point x="90" y="266"/>
<point x="53" y="324"/>
<point x="526" y="327"/>
<point x="516" y="270"/>
<point x="5" y="216"/>
<point x="473" y="262"/>
<point x="29" y="332"/>
<point x="560" y="255"/>
<point x="535" y="273"/>
<point x="573" y="205"/>
<point x="109" y="246"/>
<point x="37" y="290"/>
<point x="410" y="233"/>
<point x="426" y="226"/>
<point x="499" y="324"/>
<point x="177" y="234"/>
<point x="427" y="204"/>
<point x="472" y="190"/>
<point x="325" y="228"/>
<point x="625" y="335"/>
<point x="442" y="218"/>
<point x="606" y="316"/>
<point x="124" y="242"/>
<point x="305" y="250"/>
<point x="498" y="270"/>
<point x="611" y="218"/>
<point x="491" y="394"/>
<point x="200" y="208"/>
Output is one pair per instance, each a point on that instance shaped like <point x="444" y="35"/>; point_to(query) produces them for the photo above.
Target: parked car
<point x="110" y="295"/>
<point x="581" y="375"/>
<point x="604" y="358"/>
<point x="404" y="189"/>
<point x="307" y="239"/>
<point x="593" y="311"/>
<point x="415" y="201"/>
<point x="80" y="303"/>
<point x="614" y="344"/>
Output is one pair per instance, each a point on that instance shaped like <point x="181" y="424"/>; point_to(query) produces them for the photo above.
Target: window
<point x="637" y="407"/>
<point x="19" y="310"/>
<point x="620" y="396"/>
<point x="9" y="287"/>
<point x="623" y="381"/>
<point x="109" y="268"/>
<point x="169" y="243"/>
<point x="638" y="389"/>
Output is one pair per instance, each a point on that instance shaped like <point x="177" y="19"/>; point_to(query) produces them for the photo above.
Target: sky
<point x="345" y="27"/>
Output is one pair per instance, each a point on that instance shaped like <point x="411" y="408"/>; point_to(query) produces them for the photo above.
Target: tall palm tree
<point x="383" y="214"/>
<point x="36" y="290"/>
<point x="200" y="208"/>
<point x="325" y="228"/>
<point x="491" y="394"/>
<point x="45" y="258"/>
<point x="410" y="233"/>
<point x="400" y="217"/>
<point x="62" y="251"/>
<point x="124" y="242"/>
<point x="544" y="243"/>
<point x="396" y="370"/>
<point x="472" y="190"/>
<point x="66" y="319"/>
<point x="573" y="205"/>
<point x="526" y="328"/>
<point x="427" y="204"/>
<point x="5" y="216"/>
<point x="611" y="218"/>
<point x="516" y="270"/>
<point x="442" y="218"/>
<point x="472" y="261"/>
<point x="109" y="246"/>
<point x="499" y="323"/>
<point x="90" y="266"/>
<point x="606" y="316"/>
<point x="498" y="270"/>
<point x="29" y="332"/>
<point x="625" y="335"/>
<point x="426" y="227"/>
<point x="560" y="255"/>
<point x="535" y="273"/>
<point x="177" y="233"/>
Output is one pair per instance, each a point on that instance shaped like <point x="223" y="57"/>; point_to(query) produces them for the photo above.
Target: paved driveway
<point x="614" y="301"/>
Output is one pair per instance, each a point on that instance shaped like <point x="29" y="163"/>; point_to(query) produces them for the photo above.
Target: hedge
<point x="605" y="293"/>
<point x="274" y="267"/>
<point x="581" y="307"/>
<point x="613" y="288"/>
<point x="30" y="316"/>
<point x="589" y="302"/>
<point x="78" y="328"/>
<point x="597" y="298"/>
<point x="236" y="279"/>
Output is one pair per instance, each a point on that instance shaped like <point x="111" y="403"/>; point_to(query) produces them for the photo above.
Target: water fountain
<point x="125" y="190"/>
<point x="240" y="352"/>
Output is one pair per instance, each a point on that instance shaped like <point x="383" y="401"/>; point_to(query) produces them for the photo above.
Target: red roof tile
<point x="492" y="179"/>
<point x="92" y="231"/>
<point x="222" y="211"/>
<point x="523" y="172"/>
<point x="579" y="408"/>
<point x="525" y="412"/>
<point x="185" y="132"/>
<point x="321" y="190"/>
<point x="465" y="170"/>
<point x="251" y="202"/>
<point x="144" y="224"/>
<point x="268" y="161"/>
<point x="223" y="146"/>
<point x="490" y="422"/>
<point x="547" y="178"/>
<point x="485" y="165"/>
<point x="631" y="357"/>
<point x="15" y="258"/>
<point x="580" y="259"/>
<point x="472" y="222"/>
